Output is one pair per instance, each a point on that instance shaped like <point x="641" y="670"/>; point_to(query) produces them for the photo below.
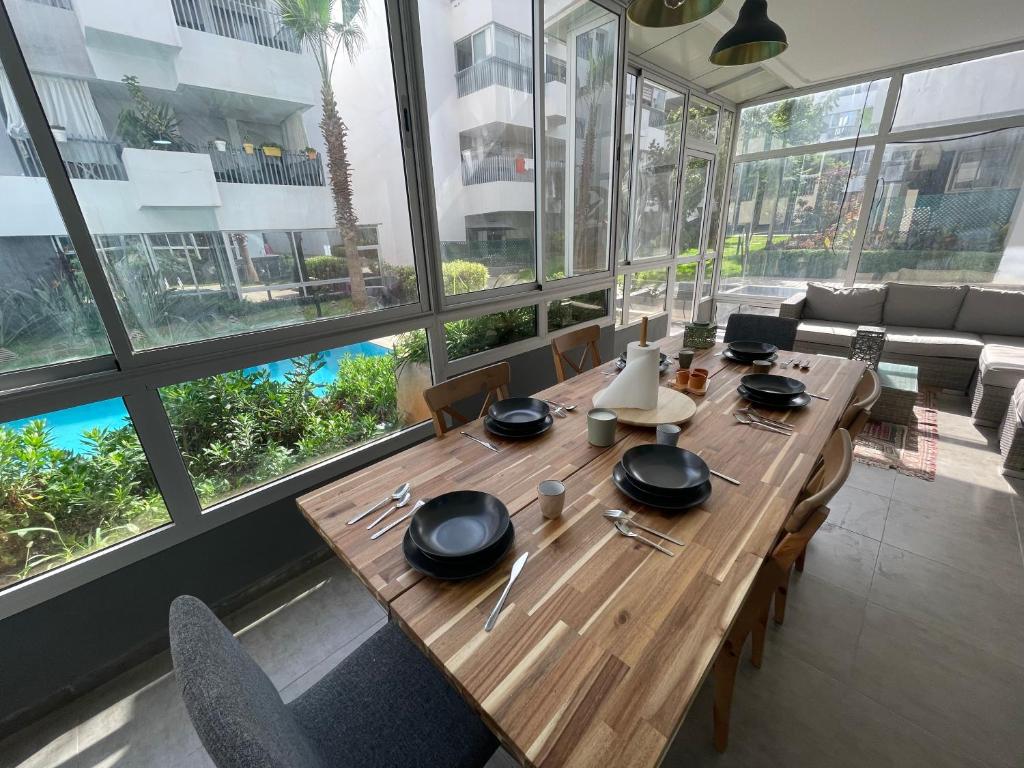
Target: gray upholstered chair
<point x="384" y="705"/>
<point x="780" y="331"/>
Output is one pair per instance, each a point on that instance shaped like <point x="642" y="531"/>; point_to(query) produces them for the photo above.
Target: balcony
<point x="250" y="21"/>
<point x="236" y="166"/>
<point x="94" y="159"/>
<point x="497" y="168"/>
<point x="494" y="71"/>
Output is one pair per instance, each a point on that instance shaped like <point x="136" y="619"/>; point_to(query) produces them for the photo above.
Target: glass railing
<point x="84" y="158"/>
<point x="248" y="20"/>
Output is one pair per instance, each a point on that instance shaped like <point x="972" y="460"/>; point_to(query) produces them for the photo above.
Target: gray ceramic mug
<point x="551" y="494"/>
<point x="667" y="434"/>
<point x="601" y="424"/>
<point x="685" y="357"/>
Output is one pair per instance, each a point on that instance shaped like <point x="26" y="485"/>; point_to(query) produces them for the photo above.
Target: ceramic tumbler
<point x="552" y="498"/>
<point x="667" y="434"/>
<point x="762" y="366"/>
<point x="685" y="357"/>
<point x="601" y="424"/>
<point x="698" y="382"/>
<point x="682" y="378"/>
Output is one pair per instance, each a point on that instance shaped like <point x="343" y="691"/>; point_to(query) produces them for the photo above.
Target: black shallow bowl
<point x="671" y="503"/>
<point x="463" y="567"/>
<point x="729" y="355"/>
<point x="459" y="524"/>
<point x="752" y="350"/>
<point x="773" y="386"/>
<point x="519" y="412"/>
<point x="497" y="428"/>
<point x="664" y="469"/>
<point x="795" y="401"/>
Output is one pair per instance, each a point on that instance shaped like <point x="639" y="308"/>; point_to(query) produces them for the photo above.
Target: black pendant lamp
<point x="754" y="37"/>
<point x="670" y="13"/>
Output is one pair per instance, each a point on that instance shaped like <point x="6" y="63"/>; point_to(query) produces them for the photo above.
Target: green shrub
<point x="325" y="268"/>
<point x="464" y="277"/>
<point x="475" y="334"/>
<point x="408" y="287"/>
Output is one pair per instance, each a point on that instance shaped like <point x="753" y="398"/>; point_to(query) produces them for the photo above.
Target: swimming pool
<point x="66" y="426"/>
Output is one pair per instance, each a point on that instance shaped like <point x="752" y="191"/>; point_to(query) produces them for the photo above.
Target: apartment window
<point x="625" y="174"/>
<point x="573" y="310"/>
<point x="493" y="56"/>
<point x="682" y="299"/>
<point x="647" y="293"/>
<point x="74" y="481"/>
<point x="702" y="121"/>
<point x="692" y="205"/>
<point x="722" y="168"/>
<point x="477" y="334"/>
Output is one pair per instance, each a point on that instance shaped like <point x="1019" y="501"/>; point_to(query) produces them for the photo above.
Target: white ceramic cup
<point x="552" y="498"/>
<point x="601" y="423"/>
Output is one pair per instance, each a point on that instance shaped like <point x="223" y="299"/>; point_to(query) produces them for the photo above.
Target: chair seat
<point x="386" y="704"/>
<point x="828" y="333"/>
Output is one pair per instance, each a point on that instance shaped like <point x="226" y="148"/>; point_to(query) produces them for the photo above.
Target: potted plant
<point x="248" y="146"/>
<point x="311" y="153"/>
<point x="412" y="376"/>
<point x="60" y="133"/>
<point x="270" y="149"/>
<point x="221" y="145"/>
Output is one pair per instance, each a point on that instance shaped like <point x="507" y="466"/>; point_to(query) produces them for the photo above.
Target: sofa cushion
<point x="860" y="305"/>
<point x="932" y="342"/>
<point x="923" y="306"/>
<point x="990" y="310"/>
<point x="838" y="335"/>
<point x="1018" y="401"/>
<point x="1001" y="365"/>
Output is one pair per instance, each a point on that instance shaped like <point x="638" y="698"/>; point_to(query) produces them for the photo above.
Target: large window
<point x="478" y="334"/>
<point x="573" y="310"/>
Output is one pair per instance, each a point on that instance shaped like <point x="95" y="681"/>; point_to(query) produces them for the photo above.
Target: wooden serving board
<point x="673" y="408"/>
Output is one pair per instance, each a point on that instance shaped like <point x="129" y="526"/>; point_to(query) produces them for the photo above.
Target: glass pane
<point x="654" y="201"/>
<point x="463" y="54"/>
<point x="682" y="301"/>
<point x="241" y="429"/>
<point x="477" y="334"/>
<point x="694" y="200"/>
<point x="791" y="220"/>
<point x="725" y="308"/>
<point x="481" y="146"/>
<point x="824" y="116"/>
<point x="620" y="292"/>
<point x="579" y="137"/>
<point x="702" y="121"/>
<point x="948" y="212"/>
<point x="74" y="481"/>
<point x="625" y="168"/>
<point x="577" y="309"/>
<point x="47" y="313"/>
<point x="983" y="88"/>
<point x="206" y="168"/>
<point x="718" y="189"/>
<point x="647" y="293"/>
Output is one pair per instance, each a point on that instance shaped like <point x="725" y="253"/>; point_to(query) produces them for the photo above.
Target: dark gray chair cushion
<point x="780" y="331"/>
<point x="384" y="705"/>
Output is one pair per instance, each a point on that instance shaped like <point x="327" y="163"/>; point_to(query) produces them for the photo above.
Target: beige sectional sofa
<point x="955" y="335"/>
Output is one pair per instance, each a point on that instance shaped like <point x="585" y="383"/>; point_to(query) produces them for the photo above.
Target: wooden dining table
<point x="604" y="642"/>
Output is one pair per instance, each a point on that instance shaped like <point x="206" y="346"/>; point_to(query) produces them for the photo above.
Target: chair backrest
<point x="825" y="482"/>
<point x="780" y="331"/>
<point x="236" y="710"/>
<point x="491" y="381"/>
<point x="869" y="389"/>
<point x="584" y="337"/>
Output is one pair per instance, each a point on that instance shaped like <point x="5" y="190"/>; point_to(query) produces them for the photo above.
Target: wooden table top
<point x="604" y="642"/>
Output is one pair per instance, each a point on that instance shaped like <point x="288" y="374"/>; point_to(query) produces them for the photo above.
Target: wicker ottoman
<point x="899" y="394"/>
<point x="1011" y="436"/>
<point x="1000" y="367"/>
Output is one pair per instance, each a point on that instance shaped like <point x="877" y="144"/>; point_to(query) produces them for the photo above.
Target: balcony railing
<point x="494" y="71"/>
<point x="84" y="159"/>
<point x="248" y="20"/>
<point x="496" y="168"/>
<point x="236" y="166"/>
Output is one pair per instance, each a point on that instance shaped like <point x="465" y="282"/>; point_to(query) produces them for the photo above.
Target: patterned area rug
<point x="910" y="450"/>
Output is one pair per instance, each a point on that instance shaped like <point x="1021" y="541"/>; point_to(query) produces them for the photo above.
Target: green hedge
<point x="464" y="277"/>
<point x="325" y="268"/>
<point x="823" y="264"/>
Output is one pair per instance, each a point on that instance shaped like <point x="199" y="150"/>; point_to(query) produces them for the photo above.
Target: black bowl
<point x="458" y="524"/>
<point x="795" y="401"/>
<point x="519" y="413"/>
<point x="459" y="568"/>
<point x="664" y="469"/>
<point x="752" y="350"/>
<point x="499" y="429"/>
<point x="771" y="386"/>
<point x="673" y="503"/>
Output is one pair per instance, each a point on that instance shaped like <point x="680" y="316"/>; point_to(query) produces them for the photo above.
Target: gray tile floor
<point x="903" y="643"/>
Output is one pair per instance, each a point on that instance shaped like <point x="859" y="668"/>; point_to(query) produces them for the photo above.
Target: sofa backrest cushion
<point x="861" y="305"/>
<point x="923" y="306"/>
<point x="992" y="311"/>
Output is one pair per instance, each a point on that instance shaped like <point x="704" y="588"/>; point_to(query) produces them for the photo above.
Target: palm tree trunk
<point x="335" y="133"/>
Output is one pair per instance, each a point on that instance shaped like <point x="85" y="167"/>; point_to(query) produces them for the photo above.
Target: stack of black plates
<point x="773" y="391"/>
<point x="663" y="476"/>
<point x="458" y="535"/>
<point x="663" y="362"/>
<point x="518" y="417"/>
<point x="749" y="351"/>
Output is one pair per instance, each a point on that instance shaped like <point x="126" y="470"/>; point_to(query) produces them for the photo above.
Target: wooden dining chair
<point x="801" y="524"/>
<point x="587" y="338"/>
<point x="492" y="382"/>
<point x="857" y="413"/>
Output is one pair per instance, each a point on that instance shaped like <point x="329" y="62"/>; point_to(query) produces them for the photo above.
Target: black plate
<point x="730" y="356"/>
<point x="459" y="524"/>
<point x="515" y="434"/>
<point x="521" y="413"/>
<point x="623" y="483"/>
<point x="773" y="386"/>
<point x="752" y="350"/>
<point x="461" y="568"/>
<point x="664" y="469"/>
<point x="796" y="401"/>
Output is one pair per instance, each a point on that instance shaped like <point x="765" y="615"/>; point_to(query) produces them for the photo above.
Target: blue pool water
<point x="66" y="426"/>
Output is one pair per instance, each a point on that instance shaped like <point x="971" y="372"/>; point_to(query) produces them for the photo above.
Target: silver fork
<point x="764" y="419"/>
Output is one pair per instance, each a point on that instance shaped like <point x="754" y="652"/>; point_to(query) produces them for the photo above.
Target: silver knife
<point x="727" y="479"/>
<point x="517" y="566"/>
<point x="819" y="397"/>
<point x="402" y="519"/>
<point x="484" y="443"/>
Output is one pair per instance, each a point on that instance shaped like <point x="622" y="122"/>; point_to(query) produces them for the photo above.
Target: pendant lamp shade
<point x="754" y="37"/>
<point x="670" y="13"/>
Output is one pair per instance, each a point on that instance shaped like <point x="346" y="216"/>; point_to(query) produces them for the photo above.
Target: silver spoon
<point x="744" y="418"/>
<point x="764" y="419"/>
<point x="563" y="406"/>
<point x="621" y="514"/>
<point x="623" y="527"/>
<point x="400" y="491"/>
<point x="398" y="505"/>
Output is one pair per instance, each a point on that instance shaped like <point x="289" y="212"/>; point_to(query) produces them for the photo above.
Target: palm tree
<point x="312" y="23"/>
